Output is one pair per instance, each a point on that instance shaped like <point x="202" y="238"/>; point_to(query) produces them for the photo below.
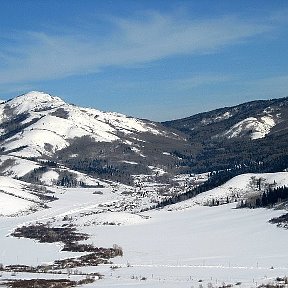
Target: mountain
<point x="39" y="127"/>
<point x="246" y="134"/>
<point x="251" y="120"/>
<point x="46" y="143"/>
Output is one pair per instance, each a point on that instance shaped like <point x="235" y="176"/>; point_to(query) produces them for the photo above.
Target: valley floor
<point x="195" y="247"/>
<point x="198" y="246"/>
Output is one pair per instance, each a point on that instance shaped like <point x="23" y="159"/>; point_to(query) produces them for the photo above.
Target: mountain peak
<point x="35" y="101"/>
<point x="39" y="96"/>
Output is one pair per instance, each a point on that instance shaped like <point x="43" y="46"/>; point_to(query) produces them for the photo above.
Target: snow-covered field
<point x="180" y="248"/>
<point x="239" y="187"/>
<point x="194" y="246"/>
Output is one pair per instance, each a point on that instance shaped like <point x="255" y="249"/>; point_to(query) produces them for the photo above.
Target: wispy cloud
<point x="42" y="56"/>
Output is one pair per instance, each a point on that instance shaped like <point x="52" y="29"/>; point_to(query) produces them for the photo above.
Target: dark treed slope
<point x="253" y="133"/>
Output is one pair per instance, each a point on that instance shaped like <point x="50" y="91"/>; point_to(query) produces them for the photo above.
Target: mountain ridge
<point x="50" y="133"/>
<point x="205" y="118"/>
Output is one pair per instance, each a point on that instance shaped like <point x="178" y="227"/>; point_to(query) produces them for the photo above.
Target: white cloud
<point x="42" y="56"/>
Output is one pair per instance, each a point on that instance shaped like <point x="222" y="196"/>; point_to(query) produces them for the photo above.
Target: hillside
<point x="244" y="135"/>
<point x="46" y="143"/>
<point x="50" y="133"/>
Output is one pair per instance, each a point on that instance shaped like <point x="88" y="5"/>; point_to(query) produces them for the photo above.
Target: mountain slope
<point x="44" y="140"/>
<point x="238" y="188"/>
<point x="21" y="197"/>
<point x="42" y="116"/>
<point x="251" y="118"/>
<point x="245" y="134"/>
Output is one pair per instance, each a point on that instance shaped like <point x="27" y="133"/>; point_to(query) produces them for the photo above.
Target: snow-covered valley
<point x="192" y="246"/>
<point x="197" y="246"/>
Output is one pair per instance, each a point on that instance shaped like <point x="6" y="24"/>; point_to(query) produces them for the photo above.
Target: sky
<point x="153" y="59"/>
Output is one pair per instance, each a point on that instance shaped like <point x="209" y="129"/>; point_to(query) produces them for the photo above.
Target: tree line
<point x="268" y="198"/>
<point x="217" y="178"/>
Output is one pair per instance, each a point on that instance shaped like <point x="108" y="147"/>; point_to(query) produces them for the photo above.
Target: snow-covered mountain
<point x="50" y="143"/>
<point x="252" y="120"/>
<point x="248" y="133"/>
<point x="39" y="127"/>
<point x="46" y="124"/>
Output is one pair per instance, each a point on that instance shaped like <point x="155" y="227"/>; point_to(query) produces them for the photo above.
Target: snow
<point x="49" y="177"/>
<point x="129" y="162"/>
<point x="188" y="181"/>
<point x="121" y="122"/>
<point x="87" y="180"/>
<point x="258" y="128"/>
<point x="35" y="141"/>
<point x="177" y="249"/>
<point x="157" y="170"/>
<point x="18" y="167"/>
<point x="237" y="188"/>
<point x="34" y="101"/>
<point x="15" y="197"/>
<point x="11" y="205"/>
<point x="16" y="188"/>
<point x="218" y="118"/>
<point x="110" y="218"/>
<point x="224" y="116"/>
<point x="138" y="151"/>
<point x="174" y="248"/>
<point x="57" y="131"/>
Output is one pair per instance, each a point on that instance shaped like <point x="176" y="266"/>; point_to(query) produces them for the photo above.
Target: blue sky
<point x="152" y="59"/>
